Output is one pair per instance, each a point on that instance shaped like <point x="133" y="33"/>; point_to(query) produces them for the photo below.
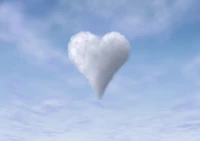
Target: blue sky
<point x="154" y="97"/>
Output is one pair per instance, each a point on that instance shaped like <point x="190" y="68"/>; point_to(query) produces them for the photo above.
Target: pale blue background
<point x="154" y="97"/>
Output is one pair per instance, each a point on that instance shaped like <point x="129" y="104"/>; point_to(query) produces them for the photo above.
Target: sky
<point x="155" y="96"/>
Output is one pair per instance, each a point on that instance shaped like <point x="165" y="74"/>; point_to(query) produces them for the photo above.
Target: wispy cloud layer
<point x="17" y="30"/>
<point x="68" y="122"/>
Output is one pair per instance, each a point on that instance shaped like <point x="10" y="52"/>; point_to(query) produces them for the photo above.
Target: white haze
<point x="98" y="58"/>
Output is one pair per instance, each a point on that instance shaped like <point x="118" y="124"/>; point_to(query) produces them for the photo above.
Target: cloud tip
<point x="100" y="96"/>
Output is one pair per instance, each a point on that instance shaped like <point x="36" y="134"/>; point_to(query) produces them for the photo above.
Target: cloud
<point x="98" y="58"/>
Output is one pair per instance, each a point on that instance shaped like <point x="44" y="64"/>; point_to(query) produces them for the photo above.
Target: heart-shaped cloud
<point x="98" y="58"/>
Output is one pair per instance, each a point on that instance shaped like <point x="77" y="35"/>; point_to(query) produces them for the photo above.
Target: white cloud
<point x="99" y="58"/>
